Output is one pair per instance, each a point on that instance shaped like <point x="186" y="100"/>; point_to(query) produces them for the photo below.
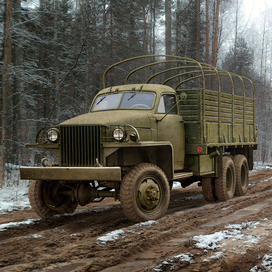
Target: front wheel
<point x="48" y="197"/>
<point x="145" y="193"/>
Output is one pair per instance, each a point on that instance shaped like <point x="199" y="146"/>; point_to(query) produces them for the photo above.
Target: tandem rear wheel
<point x="233" y="180"/>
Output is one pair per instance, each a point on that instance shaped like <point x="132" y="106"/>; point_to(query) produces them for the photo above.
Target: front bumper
<point x="71" y="173"/>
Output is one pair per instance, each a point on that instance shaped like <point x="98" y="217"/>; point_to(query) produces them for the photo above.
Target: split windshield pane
<point x="125" y="100"/>
<point x="137" y="101"/>
<point x="104" y="102"/>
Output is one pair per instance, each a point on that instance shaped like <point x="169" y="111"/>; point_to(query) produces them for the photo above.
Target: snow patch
<point x="15" y="224"/>
<point x="14" y="197"/>
<point x="171" y="263"/>
<point x="115" y="235"/>
<point x="265" y="266"/>
<point x="212" y="241"/>
<point x="147" y="223"/>
<point x="266" y="180"/>
<point x="176" y="184"/>
<point x="260" y="166"/>
<point x="111" y="236"/>
<point x="35" y="236"/>
<point x="244" y="225"/>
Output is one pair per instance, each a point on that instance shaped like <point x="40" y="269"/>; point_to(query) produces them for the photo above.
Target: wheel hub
<point x="149" y="194"/>
<point x="51" y="194"/>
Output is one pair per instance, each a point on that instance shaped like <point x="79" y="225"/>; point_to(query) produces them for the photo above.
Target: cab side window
<point x="167" y="102"/>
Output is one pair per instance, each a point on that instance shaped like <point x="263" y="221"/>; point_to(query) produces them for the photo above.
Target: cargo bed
<point x="217" y="119"/>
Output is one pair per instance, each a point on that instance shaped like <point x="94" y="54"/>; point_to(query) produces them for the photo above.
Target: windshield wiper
<point x="101" y="100"/>
<point x="131" y="96"/>
<point x="135" y="92"/>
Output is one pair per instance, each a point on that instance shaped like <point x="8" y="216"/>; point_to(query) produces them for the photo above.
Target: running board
<point x="182" y="175"/>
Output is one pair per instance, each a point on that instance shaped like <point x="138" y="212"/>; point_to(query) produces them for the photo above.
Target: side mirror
<point x="182" y="96"/>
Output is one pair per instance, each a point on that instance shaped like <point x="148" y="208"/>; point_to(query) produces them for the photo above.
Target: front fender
<point x="159" y="153"/>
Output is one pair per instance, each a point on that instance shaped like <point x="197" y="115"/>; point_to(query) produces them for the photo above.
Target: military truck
<point x="138" y="138"/>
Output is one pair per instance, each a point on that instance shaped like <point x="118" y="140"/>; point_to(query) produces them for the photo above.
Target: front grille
<point x="80" y="145"/>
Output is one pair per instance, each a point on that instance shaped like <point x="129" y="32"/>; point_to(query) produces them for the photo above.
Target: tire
<point x="242" y="175"/>
<point x="145" y="193"/>
<point x="208" y="189"/>
<point x="46" y="201"/>
<point x="225" y="184"/>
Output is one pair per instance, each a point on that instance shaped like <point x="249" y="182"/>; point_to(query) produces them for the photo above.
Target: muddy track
<point x="74" y="243"/>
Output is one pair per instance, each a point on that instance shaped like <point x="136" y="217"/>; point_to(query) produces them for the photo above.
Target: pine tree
<point x="239" y="59"/>
<point x="188" y="30"/>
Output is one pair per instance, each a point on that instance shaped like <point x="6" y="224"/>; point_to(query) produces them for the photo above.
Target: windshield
<point x="127" y="100"/>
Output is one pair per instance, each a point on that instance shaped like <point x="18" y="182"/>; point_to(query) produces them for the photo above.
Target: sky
<point x="254" y="8"/>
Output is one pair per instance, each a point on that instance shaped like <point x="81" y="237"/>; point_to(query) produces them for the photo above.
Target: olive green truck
<point x="137" y="139"/>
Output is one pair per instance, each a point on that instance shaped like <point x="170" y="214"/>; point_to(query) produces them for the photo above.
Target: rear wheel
<point x="241" y="172"/>
<point x="208" y="189"/>
<point x="144" y="193"/>
<point x="47" y="198"/>
<point x="225" y="184"/>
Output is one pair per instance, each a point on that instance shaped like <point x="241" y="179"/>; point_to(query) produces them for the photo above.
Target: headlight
<point x="53" y="135"/>
<point x="119" y="134"/>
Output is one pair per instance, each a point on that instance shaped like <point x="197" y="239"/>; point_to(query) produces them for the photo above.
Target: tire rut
<point x="71" y="241"/>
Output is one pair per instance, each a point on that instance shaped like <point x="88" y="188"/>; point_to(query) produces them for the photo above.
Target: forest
<point x="53" y="54"/>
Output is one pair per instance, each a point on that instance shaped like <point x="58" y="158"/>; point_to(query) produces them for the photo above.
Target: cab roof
<point x="157" y="88"/>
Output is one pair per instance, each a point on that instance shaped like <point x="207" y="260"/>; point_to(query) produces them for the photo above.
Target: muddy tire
<point x="208" y="189"/>
<point x="45" y="199"/>
<point x="144" y="193"/>
<point x="225" y="184"/>
<point x="241" y="172"/>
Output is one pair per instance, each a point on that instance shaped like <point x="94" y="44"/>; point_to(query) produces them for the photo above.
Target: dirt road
<point x="193" y="236"/>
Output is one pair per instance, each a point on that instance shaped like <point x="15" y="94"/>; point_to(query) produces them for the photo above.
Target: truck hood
<point x="115" y="117"/>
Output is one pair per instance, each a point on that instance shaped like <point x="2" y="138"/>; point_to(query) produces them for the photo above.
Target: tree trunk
<point x="168" y="46"/>
<point x="215" y="38"/>
<point x="168" y="27"/>
<point x="17" y="90"/>
<point x="207" y="52"/>
<point x="145" y="45"/>
<point x="236" y="35"/>
<point x="198" y="53"/>
<point x="178" y="29"/>
<point x="153" y="22"/>
<point x="7" y="85"/>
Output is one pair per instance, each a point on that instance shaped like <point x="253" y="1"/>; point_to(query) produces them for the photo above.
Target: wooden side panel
<point x="215" y="119"/>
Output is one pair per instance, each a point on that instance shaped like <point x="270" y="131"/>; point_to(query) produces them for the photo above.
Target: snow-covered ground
<point x="14" y="197"/>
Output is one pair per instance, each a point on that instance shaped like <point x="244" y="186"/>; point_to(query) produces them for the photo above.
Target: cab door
<point x="170" y="127"/>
